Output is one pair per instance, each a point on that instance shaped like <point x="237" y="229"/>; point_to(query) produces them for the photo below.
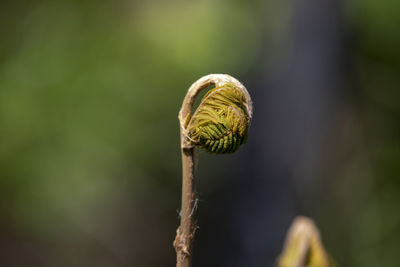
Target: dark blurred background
<point x="89" y="138"/>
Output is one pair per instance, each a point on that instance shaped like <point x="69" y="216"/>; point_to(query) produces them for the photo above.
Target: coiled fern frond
<point x="219" y="125"/>
<point x="221" y="121"/>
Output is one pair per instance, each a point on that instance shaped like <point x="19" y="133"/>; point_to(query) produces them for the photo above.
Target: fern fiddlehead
<point x="219" y="125"/>
<point x="221" y="121"/>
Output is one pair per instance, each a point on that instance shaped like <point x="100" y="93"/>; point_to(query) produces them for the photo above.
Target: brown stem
<point x="185" y="234"/>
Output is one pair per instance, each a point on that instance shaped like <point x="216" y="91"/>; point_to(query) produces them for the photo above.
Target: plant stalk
<point x="185" y="233"/>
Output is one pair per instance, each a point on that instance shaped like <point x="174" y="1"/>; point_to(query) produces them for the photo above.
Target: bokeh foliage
<point x="89" y="94"/>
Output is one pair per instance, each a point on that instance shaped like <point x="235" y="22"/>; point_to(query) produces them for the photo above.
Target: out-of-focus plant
<point x="303" y="246"/>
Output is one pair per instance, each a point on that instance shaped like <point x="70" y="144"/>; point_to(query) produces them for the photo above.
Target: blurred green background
<point x="89" y="138"/>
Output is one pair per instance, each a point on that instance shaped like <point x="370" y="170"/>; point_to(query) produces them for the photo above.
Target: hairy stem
<point x="185" y="234"/>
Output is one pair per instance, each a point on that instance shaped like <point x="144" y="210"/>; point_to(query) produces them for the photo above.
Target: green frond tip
<point x="303" y="246"/>
<point x="221" y="121"/>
